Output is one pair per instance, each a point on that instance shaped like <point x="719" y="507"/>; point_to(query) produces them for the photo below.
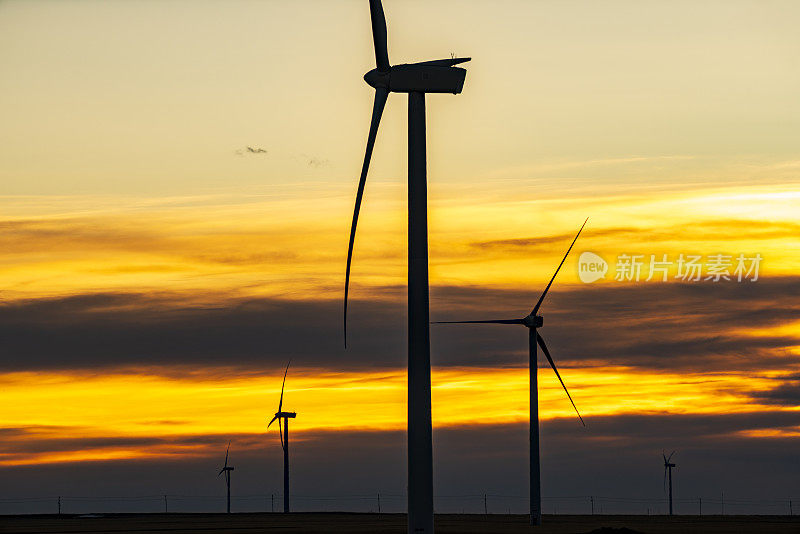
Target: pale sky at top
<point x="154" y="98"/>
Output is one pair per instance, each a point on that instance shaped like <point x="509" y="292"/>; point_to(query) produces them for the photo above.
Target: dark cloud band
<point x="677" y="327"/>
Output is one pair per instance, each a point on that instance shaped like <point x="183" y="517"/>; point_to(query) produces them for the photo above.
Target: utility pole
<point x="486" y="507"/>
<point x="272" y="508"/>
<point x="790" y="507"/>
<point x="59" y="505"/>
<point x="723" y="503"/>
<point x="701" y="505"/>
<point x="379" y="503"/>
<point x="166" y="505"/>
<point x="592" y="501"/>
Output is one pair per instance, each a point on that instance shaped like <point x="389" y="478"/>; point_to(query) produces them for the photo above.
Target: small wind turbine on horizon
<point x="284" y="432"/>
<point x="668" y="465"/>
<point x="532" y="321"/>
<point x="227" y="470"/>
<point x="417" y="80"/>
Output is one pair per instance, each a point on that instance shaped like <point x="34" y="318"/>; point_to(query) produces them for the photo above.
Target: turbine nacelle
<point x="438" y="76"/>
<point x="290" y="415"/>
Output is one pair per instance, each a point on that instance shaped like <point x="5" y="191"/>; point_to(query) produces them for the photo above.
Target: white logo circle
<point x="591" y="267"/>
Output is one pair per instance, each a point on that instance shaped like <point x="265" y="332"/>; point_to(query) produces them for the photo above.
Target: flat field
<point x="389" y="523"/>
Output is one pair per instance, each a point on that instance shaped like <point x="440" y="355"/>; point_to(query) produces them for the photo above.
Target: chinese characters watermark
<point x="663" y="267"/>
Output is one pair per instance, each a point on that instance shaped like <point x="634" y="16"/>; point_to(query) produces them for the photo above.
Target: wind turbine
<point x="668" y="468"/>
<point x="416" y="79"/>
<point x="227" y="470"/>
<point x="284" y="432"/>
<point x="532" y="321"/>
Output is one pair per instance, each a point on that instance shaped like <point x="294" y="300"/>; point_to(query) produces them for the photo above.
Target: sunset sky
<point x="178" y="181"/>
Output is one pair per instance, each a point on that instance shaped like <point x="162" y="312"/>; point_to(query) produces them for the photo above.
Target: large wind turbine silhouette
<point x="284" y="432"/>
<point x="532" y="321"/>
<point x="227" y="470"/>
<point x="668" y="465"/>
<point x="416" y="79"/>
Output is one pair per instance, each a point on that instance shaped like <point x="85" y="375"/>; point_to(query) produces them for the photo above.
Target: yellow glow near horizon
<point x="256" y="248"/>
<point x="139" y="404"/>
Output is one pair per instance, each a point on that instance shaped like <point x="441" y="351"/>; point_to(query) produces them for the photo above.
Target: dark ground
<point x="391" y="523"/>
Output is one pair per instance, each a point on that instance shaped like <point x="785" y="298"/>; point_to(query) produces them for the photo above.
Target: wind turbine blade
<point x="272" y="420"/>
<point x="280" y="404"/>
<point x="379" y="35"/>
<point x="280" y="431"/>
<point x="377" y="110"/>
<point x="670" y="456"/>
<point x="221" y="471"/>
<point x="226" y="454"/>
<point x="445" y="62"/>
<point x="665" y="477"/>
<point x="498" y="321"/>
<point x="553" y="365"/>
<point x="546" y="289"/>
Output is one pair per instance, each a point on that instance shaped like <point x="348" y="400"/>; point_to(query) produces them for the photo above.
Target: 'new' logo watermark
<point x="591" y="267"/>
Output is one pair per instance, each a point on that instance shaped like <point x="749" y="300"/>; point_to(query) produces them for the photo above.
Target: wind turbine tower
<point x="283" y="429"/>
<point x="668" y="465"/>
<point x="532" y="321"/>
<point x="415" y="79"/>
<point x="227" y="470"/>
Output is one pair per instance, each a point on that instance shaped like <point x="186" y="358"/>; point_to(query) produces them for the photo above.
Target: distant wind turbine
<point x="227" y="470"/>
<point x="416" y="79"/>
<point x="284" y="432"/>
<point x="668" y="465"/>
<point x="532" y="321"/>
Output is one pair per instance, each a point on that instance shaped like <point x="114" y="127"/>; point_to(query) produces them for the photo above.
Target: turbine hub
<point x="533" y="321"/>
<point x="376" y="79"/>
